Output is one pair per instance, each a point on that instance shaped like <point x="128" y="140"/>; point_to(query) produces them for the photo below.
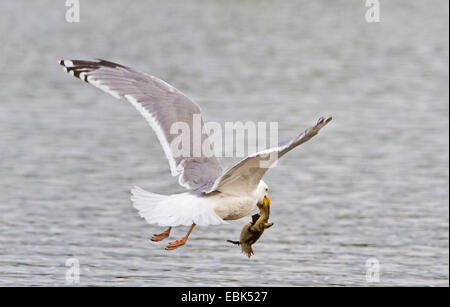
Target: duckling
<point x="253" y="230"/>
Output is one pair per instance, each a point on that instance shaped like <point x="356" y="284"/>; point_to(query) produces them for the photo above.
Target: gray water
<point x="373" y="184"/>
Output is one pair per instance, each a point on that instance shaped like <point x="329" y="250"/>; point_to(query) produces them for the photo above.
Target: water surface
<point x="374" y="183"/>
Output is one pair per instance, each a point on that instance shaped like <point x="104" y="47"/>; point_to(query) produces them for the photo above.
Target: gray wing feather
<point x="248" y="172"/>
<point x="161" y="105"/>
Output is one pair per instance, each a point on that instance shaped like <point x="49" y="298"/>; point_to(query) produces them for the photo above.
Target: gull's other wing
<point x="246" y="174"/>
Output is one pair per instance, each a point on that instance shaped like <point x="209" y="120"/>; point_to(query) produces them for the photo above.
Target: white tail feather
<point x="174" y="210"/>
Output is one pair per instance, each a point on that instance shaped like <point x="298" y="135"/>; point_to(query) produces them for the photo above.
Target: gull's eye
<point x="267" y="190"/>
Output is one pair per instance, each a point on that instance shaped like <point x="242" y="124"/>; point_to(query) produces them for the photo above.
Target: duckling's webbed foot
<point x="234" y="242"/>
<point x="268" y="225"/>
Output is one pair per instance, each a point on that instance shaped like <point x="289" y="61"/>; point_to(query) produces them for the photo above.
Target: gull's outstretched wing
<point x="161" y="105"/>
<point x="246" y="174"/>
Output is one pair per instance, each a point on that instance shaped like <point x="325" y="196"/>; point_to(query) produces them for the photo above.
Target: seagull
<point x="213" y="195"/>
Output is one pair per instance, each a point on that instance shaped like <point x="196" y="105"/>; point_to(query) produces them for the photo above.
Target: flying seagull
<point x="214" y="196"/>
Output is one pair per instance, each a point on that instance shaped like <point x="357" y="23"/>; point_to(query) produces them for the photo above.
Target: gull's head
<point x="263" y="195"/>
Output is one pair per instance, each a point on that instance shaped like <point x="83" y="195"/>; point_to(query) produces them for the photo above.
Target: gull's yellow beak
<point x="266" y="201"/>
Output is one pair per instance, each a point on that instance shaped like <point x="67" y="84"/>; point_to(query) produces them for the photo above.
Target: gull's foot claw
<point x="175" y="244"/>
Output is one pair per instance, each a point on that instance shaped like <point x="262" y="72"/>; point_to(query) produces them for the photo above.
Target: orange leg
<point x="161" y="236"/>
<point x="178" y="243"/>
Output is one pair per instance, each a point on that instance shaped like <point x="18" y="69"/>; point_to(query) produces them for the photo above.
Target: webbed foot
<point x="161" y="236"/>
<point x="175" y="244"/>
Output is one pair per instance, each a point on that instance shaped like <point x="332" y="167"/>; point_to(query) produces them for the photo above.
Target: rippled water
<point x="374" y="183"/>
